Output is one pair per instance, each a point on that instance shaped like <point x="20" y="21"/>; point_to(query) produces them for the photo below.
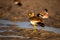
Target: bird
<point x="35" y="21"/>
<point x="17" y="2"/>
<point x="38" y="20"/>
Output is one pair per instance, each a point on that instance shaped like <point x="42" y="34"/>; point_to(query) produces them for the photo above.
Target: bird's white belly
<point x="33" y="22"/>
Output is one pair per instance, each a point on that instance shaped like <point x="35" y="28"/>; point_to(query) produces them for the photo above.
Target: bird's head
<point x="43" y="14"/>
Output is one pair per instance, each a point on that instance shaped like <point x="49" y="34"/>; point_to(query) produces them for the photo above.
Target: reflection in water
<point x="27" y="25"/>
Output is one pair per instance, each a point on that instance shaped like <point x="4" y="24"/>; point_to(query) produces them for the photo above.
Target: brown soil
<point x="39" y="35"/>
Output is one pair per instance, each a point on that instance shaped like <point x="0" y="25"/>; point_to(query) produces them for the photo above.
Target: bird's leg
<point x="34" y="29"/>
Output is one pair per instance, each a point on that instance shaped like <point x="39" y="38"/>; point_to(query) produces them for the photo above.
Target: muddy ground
<point x="10" y="11"/>
<point x="27" y="34"/>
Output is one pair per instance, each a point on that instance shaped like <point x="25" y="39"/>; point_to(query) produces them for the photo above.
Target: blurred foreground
<point x="16" y="33"/>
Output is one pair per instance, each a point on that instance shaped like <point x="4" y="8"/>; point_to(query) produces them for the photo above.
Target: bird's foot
<point x="34" y="31"/>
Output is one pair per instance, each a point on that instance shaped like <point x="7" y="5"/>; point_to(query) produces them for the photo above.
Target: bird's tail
<point x="41" y="24"/>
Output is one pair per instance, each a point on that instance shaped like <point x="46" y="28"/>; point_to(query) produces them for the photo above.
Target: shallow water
<point x="27" y="25"/>
<point x="13" y="36"/>
<point x="2" y="30"/>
